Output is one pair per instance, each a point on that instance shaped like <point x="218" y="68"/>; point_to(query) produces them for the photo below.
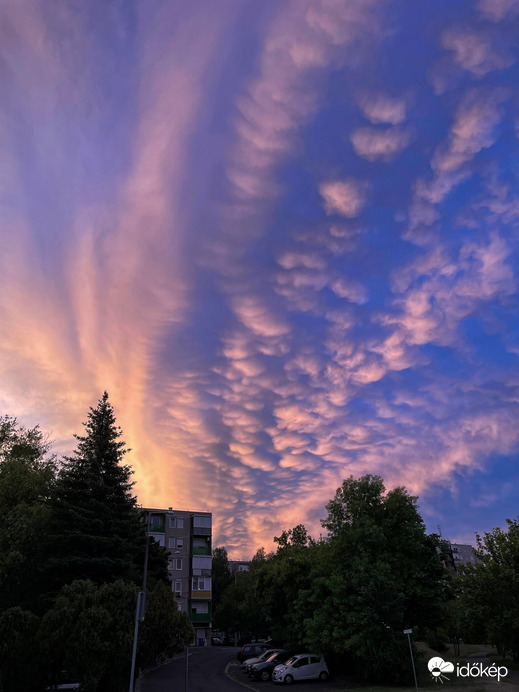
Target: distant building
<point x="187" y="536"/>
<point x="239" y="566"/>
<point x="463" y="555"/>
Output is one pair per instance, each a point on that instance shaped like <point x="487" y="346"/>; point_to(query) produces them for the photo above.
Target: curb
<point x="239" y="682"/>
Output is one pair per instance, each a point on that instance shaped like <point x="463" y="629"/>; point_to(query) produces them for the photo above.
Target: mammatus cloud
<point x="380" y="108"/>
<point x="344" y="197"/>
<point x="376" y="145"/>
<point x="497" y="10"/>
<point x="225" y="237"/>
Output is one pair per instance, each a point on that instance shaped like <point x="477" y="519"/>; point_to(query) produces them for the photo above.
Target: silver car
<point x="301" y="667"/>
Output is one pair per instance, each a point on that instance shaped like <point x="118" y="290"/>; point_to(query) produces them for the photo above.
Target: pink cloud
<point x="373" y="144"/>
<point x="473" y="130"/>
<point x="497" y="10"/>
<point x="474" y="51"/>
<point x="344" y="197"/>
<point x="382" y="108"/>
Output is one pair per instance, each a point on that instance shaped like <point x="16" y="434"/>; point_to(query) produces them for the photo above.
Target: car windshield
<point x="290" y="660"/>
<point x="272" y="656"/>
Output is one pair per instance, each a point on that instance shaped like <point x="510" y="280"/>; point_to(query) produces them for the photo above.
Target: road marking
<point x="243" y="684"/>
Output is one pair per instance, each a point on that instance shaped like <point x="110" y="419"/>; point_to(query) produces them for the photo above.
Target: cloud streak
<point x="287" y="255"/>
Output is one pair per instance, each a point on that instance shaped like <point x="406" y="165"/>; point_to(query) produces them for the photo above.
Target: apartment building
<point x="187" y="536"/>
<point x="463" y="554"/>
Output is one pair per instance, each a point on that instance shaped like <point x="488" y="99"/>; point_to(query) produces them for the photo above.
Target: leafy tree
<point x="89" y="633"/>
<point x="490" y="590"/>
<point x="377" y="574"/>
<point x="165" y="629"/>
<point x="18" y="643"/>
<point x="221" y="579"/>
<point x="96" y="531"/>
<point x="27" y="474"/>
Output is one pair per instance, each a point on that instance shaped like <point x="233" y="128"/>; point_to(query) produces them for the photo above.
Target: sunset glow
<point x="282" y="235"/>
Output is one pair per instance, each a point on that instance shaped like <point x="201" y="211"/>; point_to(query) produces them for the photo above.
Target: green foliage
<point x="490" y="591"/>
<point x="89" y="633"/>
<point x="18" y="644"/>
<point x="378" y="574"/>
<point x="165" y="629"/>
<point x="27" y="475"/>
<point x="221" y="580"/>
<point x="351" y="595"/>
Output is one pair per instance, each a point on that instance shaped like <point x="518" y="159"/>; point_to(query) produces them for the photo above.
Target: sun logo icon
<point x="437" y="666"/>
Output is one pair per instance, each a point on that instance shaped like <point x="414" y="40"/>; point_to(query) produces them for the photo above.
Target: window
<point x="170" y="563"/>
<point x="180" y="523"/>
<point x="178" y="588"/>
<point x="179" y="605"/>
<point x="180" y="542"/>
<point x="171" y="542"/>
<point x="178" y="563"/>
<point x="172" y="523"/>
<point x="159" y="537"/>
<point x="201" y="583"/>
<point x="200" y="562"/>
<point x="155" y="520"/>
<point x="202" y="522"/>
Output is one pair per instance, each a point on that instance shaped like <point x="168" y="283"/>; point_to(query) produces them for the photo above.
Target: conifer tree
<point x="97" y="532"/>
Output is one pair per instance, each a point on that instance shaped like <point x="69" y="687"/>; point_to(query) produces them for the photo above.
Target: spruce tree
<point x="97" y="530"/>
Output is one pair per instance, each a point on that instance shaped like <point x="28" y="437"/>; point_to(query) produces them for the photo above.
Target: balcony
<point x="202" y="551"/>
<point x="201" y="595"/>
<point x="200" y="617"/>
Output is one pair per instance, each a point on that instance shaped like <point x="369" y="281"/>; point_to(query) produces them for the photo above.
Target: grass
<point x="425" y="681"/>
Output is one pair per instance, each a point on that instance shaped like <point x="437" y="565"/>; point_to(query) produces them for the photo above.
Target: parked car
<point x="301" y="667"/>
<point x="61" y="681"/>
<point x="246" y="665"/>
<point x="250" y="650"/>
<point x="216" y="641"/>
<point x="262" y="670"/>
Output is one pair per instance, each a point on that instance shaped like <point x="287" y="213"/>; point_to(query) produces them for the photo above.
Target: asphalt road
<point x="216" y="669"/>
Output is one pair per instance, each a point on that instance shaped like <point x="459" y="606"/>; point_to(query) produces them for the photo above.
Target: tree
<point x="27" y="475"/>
<point x="221" y="579"/>
<point x="378" y="574"/>
<point x="97" y="531"/>
<point x="89" y="633"/>
<point x="165" y="629"/>
<point x="490" y="590"/>
<point x="19" y="668"/>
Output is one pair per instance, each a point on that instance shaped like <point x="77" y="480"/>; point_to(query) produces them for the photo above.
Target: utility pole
<point x="140" y="610"/>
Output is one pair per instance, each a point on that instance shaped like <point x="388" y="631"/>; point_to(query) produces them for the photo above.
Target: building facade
<point x="463" y="555"/>
<point x="187" y="535"/>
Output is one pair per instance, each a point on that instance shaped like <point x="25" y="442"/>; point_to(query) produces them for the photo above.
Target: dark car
<point x="263" y="669"/>
<point x="250" y="650"/>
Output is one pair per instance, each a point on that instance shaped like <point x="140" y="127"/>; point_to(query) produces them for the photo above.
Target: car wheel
<point x="289" y="680"/>
<point x="323" y="675"/>
<point x="265" y="676"/>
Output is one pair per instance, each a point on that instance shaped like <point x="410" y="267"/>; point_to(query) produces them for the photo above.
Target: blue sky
<point x="283" y="236"/>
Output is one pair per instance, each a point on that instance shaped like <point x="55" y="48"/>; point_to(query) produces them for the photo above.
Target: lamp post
<point x="140" y="610"/>
<point x="409" y="632"/>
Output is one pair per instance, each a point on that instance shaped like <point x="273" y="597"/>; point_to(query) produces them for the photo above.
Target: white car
<point x="301" y="667"/>
<point x="249" y="662"/>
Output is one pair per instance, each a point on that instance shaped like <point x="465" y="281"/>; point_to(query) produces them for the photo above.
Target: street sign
<point x="408" y="631"/>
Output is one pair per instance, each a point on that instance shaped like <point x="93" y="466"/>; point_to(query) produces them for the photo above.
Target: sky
<point x="283" y="236"/>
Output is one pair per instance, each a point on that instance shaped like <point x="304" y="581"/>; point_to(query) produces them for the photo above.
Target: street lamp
<point x="409" y="633"/>
<point x="140" y="610"/>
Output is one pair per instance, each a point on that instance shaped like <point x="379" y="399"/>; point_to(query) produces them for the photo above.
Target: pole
<point x="408" y="632"/>
<point x="187" y="668"/>
<point x="141" y="607"/>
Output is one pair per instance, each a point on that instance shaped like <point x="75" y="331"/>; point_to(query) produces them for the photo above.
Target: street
<point x="216" y="669"/>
